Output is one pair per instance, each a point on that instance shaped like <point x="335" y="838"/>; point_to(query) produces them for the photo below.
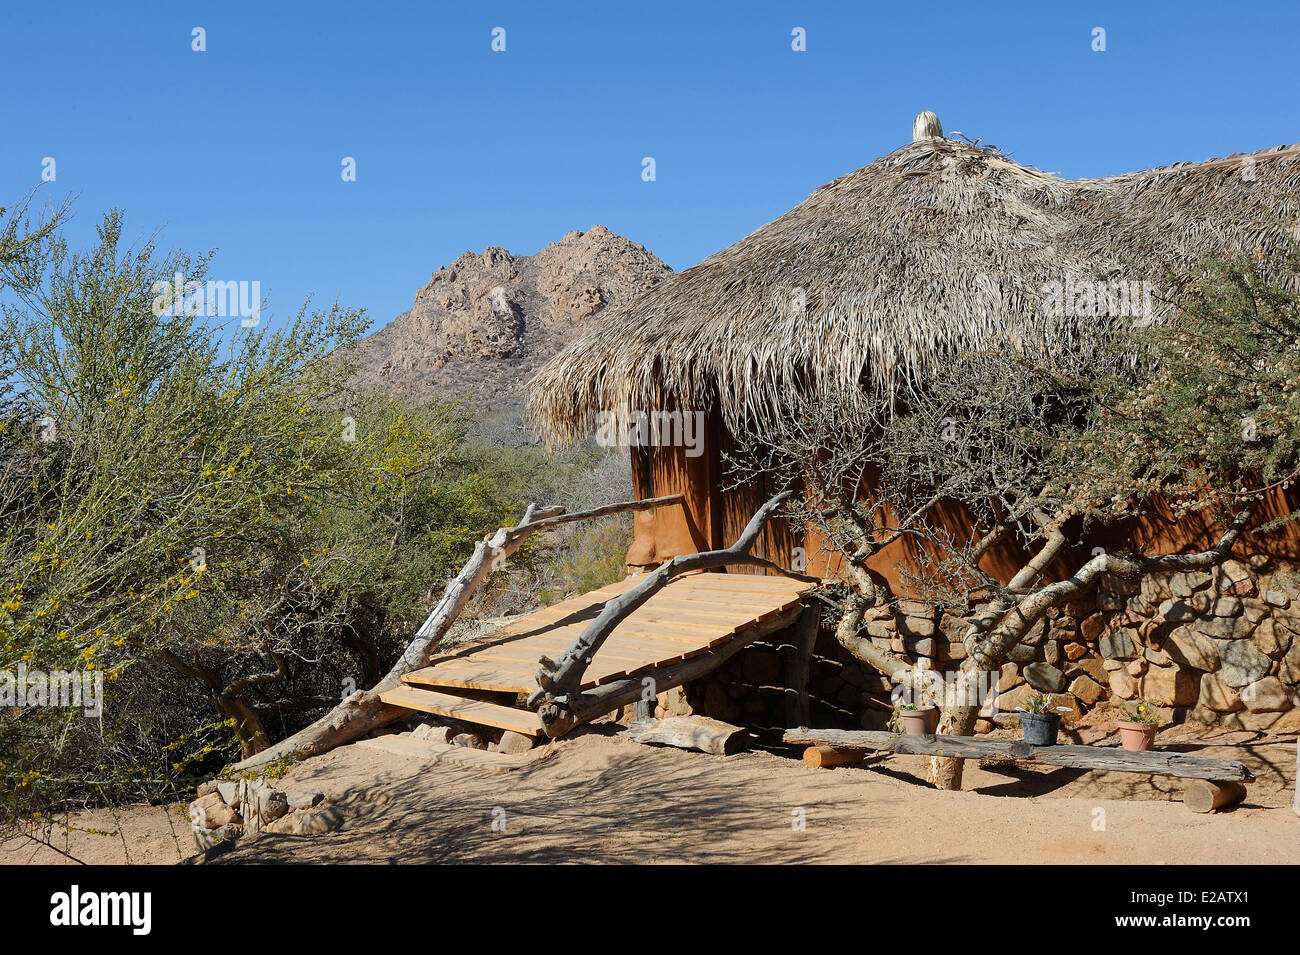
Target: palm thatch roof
<point x="940" y="246"/>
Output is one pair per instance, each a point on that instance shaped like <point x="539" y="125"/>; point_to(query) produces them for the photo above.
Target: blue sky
<point x="239" y="147"/>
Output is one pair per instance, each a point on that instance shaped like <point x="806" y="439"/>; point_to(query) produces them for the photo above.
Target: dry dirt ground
<point x="601" y="798"/>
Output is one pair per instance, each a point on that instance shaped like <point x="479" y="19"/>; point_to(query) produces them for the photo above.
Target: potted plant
<point x="912" y="720"/>
<point x="1137" y="731"/>
<point x="1039" y="721"/>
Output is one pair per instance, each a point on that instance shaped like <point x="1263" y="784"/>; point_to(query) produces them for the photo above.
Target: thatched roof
<point x="938" y="247"/>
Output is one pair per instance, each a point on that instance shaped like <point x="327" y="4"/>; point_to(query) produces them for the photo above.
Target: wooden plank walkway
<point x="690" y="616"/>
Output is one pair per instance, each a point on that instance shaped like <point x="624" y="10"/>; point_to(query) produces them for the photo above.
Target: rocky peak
<point x="485" y="322"/>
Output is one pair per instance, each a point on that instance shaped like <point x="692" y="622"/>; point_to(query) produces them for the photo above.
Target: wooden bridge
<point x="681" y="632"/>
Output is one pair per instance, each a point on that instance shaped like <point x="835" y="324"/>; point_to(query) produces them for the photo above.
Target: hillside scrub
<point x="206" y="519"/>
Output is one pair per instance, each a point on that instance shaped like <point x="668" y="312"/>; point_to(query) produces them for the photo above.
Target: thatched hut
<point x="939" y="247"/>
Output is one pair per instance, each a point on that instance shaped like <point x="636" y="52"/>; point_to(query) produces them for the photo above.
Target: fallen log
<point x="598" y="701"/>
<point x="363" y="711"/>
<point x="1205" y="796"/>
<point x="824" y="757"/>
<point x="1156" y="762"/>
<point x="559" y="680"/>
<point x="692" y="732"/>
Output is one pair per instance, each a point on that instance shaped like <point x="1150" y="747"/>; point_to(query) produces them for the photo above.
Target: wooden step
<point x="459" y="708"/>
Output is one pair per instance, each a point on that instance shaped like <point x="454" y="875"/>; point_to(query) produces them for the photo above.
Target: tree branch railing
<point x="363" y="710"/>
<point x="557" y="696"/>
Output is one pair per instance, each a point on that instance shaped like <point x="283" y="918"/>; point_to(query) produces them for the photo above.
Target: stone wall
<point x="1220" y="648"/>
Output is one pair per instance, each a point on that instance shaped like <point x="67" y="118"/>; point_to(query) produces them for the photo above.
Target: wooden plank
<point x="458" y="707"/>
<point x="1111" y="758"/>
<point x="649" y="629"/>
<point x="689" y="621"/>
<point x="563" y="637"/>
<point x="403" y="745"/>
<point x="542" y="621"/>
<point x="744" y="583"/>
<point x="512" y="670"/>
<point x="747" y="583"/>
<point x="717" y="609"/>
<point x="702" y="620"/>
<point x="485" y="680"/>
<point x="560" y="640"/>
<point x="523" y="656"/>
<point x="498" y="683"/>
<point x="474" y="662"/>
<point x="743" y="600"/>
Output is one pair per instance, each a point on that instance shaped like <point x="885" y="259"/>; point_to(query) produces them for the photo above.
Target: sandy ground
<point x="600" y="798"/>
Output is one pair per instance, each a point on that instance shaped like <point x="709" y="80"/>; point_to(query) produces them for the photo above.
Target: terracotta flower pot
<point x="1136" y="736"/>
<point x="919" y="722"/>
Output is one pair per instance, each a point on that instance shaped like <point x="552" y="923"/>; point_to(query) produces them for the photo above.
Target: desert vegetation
<point x="216" y="523"/>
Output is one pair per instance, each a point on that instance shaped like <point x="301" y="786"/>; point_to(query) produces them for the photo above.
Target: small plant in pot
<point x="912" y="720"/>
<point x="1039" y="721"/>
<point x="1137" y="730"/>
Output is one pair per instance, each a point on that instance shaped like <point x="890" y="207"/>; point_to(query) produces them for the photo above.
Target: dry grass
<point x="938" y="247"/>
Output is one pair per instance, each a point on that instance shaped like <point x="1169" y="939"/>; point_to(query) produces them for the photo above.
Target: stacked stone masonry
<point x="1217" y="647"/>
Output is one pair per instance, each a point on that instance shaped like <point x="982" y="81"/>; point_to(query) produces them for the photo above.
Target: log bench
<point x="1217" y="782"/>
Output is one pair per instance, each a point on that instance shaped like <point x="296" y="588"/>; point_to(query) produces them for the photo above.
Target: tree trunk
<point x="1006" y="621"/>
<point x="248" y="725"/>
<point x="957" y="717"/>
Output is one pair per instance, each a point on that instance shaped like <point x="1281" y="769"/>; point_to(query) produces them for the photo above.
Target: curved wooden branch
<point x="558" y="681"/>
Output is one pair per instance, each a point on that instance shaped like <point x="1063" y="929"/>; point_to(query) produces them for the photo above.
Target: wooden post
<point x="1205" y="796"/>
<point x="798" y="655"/>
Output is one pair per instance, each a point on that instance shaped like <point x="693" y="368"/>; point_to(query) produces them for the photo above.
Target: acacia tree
<point x="1197" y="415"/>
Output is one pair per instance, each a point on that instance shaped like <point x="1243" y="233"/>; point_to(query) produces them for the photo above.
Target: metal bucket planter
<point x="1040" y="728"/>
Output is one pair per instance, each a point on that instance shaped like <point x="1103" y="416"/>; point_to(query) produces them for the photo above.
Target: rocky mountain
<point x="486" y="322"/>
